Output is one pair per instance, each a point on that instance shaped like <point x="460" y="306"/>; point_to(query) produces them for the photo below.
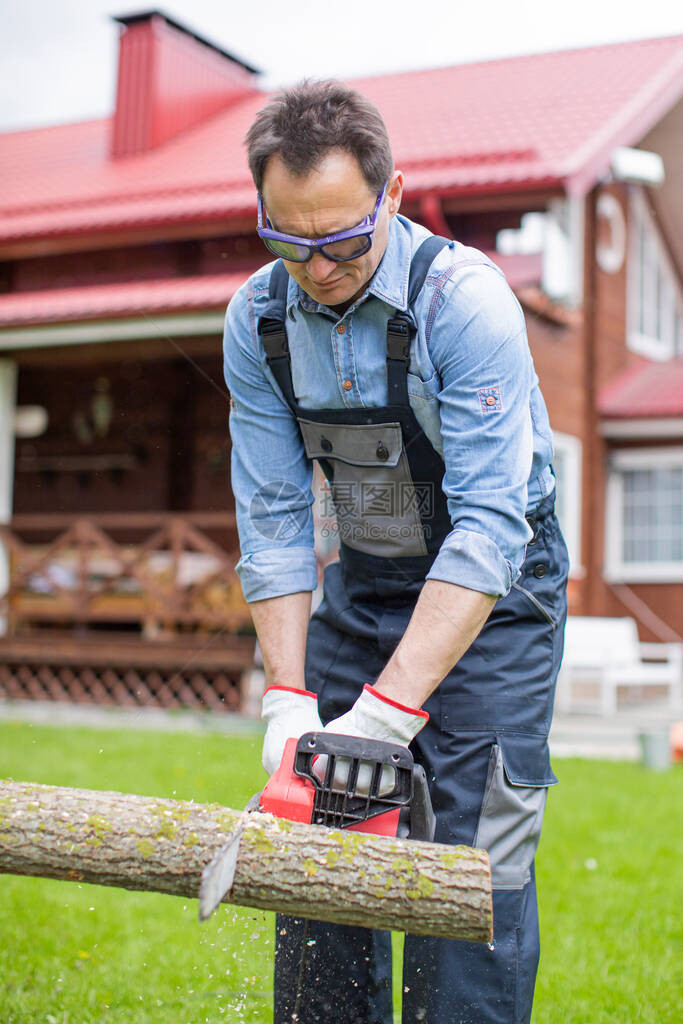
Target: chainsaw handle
<point x="422" y="820"/>
<point x="410" y="794"/>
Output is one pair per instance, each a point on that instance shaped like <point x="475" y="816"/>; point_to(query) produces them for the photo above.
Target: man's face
<point x="333" y="197"/>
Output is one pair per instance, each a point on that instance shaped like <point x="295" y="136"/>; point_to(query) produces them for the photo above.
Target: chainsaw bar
<point x="219" y="873"/>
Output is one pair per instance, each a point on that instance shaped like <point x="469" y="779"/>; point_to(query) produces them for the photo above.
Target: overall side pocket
<point x="512" y="815"/>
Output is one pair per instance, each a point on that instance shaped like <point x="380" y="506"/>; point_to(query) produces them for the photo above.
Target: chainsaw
<point x="382" y="791"/>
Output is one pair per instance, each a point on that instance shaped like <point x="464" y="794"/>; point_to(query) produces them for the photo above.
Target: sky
<point x="58" y="57"/>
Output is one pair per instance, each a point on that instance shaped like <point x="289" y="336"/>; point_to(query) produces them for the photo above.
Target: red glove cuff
<point x="395" y="703"/>
<point x="291" y="689"/>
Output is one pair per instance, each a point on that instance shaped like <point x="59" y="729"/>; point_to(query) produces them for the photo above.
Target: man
<point x="441" y="624"/>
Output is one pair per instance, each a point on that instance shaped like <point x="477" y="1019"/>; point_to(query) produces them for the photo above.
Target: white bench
<point x="605" y="655"/>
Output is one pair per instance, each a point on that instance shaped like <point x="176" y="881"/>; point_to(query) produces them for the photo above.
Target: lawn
<point x="609" y="873"/>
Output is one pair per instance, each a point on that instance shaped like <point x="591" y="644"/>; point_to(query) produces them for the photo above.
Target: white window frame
<point x="570" y="449"/>
<point x="654" y="328"/>
<point x="616" y="569"/>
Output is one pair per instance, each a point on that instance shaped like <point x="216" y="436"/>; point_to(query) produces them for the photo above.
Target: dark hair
<point x="308" y="120"/>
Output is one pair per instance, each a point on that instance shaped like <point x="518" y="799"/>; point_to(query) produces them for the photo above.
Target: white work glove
<point x="377" y="717"/>
<point x="288" y="712"/>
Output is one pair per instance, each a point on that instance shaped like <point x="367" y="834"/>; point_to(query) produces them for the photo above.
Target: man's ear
<point x="395" y="192"/>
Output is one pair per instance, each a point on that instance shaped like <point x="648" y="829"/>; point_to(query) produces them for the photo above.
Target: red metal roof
<point x="168" y="295"/>
<point x="497" y="126"/>
<point x="132" y="298"/>
<point x="644" y="390"/>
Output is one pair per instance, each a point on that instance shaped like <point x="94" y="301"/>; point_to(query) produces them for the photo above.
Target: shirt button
<point x="341" y="328"/>
<point x="540" y="571"/>
<point x="347" y="385"/>
<point x="325" y="444"/>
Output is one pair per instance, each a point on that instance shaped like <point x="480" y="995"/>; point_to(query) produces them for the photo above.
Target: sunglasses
<point x="340" y="247"/>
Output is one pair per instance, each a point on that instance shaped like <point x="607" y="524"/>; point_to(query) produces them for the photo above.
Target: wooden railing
<point x="79" y="570"/>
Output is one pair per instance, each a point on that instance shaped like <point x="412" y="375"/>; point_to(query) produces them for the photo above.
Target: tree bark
<point x="157" y="845"/>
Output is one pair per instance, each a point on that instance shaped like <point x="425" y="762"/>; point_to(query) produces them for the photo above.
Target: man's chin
<point x="341" y="293"/>
<point x="341" y="289"/>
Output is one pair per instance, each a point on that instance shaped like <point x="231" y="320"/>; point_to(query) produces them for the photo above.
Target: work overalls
<point x="485" y="746"/>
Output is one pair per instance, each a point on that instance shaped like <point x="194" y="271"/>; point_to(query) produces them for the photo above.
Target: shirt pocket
<point x="424" y="390"/>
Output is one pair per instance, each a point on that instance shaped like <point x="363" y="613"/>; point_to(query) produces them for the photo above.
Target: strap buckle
<point x="399" y="333"/>
<point x="274" y="338"/>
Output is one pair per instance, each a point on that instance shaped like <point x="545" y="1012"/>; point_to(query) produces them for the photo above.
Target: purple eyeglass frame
<point x="366" y="227"/>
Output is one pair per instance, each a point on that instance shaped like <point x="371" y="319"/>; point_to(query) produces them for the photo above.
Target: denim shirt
<point x="471" y="385"/>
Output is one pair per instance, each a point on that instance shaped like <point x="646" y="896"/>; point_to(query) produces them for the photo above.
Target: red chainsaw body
<point x="286" y="794"/>
<point x="290" y="796"/>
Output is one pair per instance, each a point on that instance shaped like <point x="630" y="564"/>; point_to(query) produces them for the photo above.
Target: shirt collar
<point x="389" y="282"/>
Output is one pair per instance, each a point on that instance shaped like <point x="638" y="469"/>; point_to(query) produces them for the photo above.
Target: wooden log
<point x="144" y="843"/>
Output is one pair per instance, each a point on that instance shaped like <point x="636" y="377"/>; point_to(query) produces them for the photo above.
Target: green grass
<point x="79" y="954"/>
<point x="609" y="873"/>
<point x="610" y="877"/>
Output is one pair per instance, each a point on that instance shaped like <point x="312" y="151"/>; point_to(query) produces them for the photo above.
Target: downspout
<point x="594" y="508"/>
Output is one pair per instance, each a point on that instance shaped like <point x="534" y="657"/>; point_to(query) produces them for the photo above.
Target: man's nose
<point x="319" y="268"/>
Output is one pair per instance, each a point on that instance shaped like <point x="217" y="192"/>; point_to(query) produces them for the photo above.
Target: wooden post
<point x="8" y="388"/>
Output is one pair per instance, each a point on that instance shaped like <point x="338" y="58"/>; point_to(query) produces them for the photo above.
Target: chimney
<point x="170" y="79"/>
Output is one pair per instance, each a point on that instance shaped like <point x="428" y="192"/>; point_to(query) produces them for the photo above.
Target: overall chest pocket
<point x="357" y="444"/>
<point x="371" y="485"/>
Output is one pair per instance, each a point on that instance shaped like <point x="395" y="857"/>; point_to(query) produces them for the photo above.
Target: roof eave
<point x="630" y="427"/>
<point x="113" y="328"/>
<point x="18" y="245"/>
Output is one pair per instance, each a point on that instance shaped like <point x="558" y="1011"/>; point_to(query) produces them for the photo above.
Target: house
<point x="121" y="241"/>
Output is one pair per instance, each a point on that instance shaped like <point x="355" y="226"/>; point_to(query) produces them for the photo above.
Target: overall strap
<point x="401" y="326"/>
<point x="273" y="333"/>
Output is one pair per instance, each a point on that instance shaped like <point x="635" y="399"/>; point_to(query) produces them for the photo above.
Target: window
<point x="655" y="316"/>
<point x="567" y="466"/>
<point x="645" y="516"/>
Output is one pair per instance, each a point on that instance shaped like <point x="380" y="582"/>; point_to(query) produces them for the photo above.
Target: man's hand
<point x="288" y="712"/>
<point x="377" y="717"/>
<point x="445" y="621"/>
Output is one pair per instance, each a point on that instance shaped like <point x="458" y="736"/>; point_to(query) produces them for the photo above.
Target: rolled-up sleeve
<point x="478" y="345"/>
<point x="270" y="472"/>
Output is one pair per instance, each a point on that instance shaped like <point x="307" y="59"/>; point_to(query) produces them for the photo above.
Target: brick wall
<point x="607" y="355"/>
